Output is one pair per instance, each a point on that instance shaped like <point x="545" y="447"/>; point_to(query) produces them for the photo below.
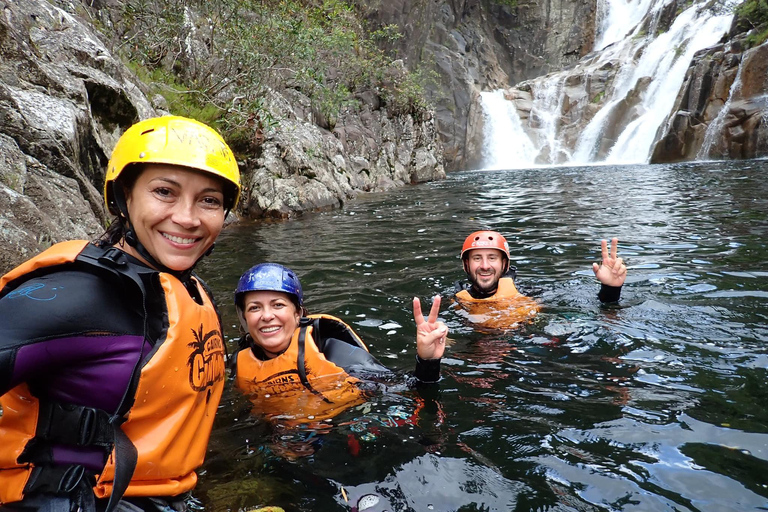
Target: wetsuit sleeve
<point x="609" y="293"/>
<point x="351" y="358"/>
<point x="427" y="370"/>
<point x="60" y="320"/>
<point x="359" y="362"/>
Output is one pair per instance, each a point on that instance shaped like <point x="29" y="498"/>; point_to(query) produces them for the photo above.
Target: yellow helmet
<point x="177" y="141"/>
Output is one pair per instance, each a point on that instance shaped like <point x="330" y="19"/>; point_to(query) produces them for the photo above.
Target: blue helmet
<point x="269" y="277"/>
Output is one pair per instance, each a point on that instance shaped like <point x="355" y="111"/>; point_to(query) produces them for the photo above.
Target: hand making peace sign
<point x="612" y="271"/>
<point x="430" y="333"/>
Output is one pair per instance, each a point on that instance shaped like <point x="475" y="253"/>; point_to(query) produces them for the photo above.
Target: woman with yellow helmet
<point x="111" y="352"/>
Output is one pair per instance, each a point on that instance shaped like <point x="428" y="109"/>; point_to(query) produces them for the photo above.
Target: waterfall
<point x="689" y="33"/>
<point x="650" y="67"/>
<point x="617" y="18"/>
<point x="506" y="144"/>
<point x="547" y="105"/>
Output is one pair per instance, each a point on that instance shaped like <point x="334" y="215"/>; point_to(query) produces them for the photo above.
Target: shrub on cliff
<point x="214" y="60"/>
<point x="752" y="15"/>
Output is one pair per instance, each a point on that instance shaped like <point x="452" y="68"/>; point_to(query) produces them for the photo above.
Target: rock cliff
<point x="722" y="109"/>
<point x="65" y="99"/>
<point x="482" y="45"/>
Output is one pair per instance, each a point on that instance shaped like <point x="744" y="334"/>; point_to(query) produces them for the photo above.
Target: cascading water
<point x="618" y="17"/>
<point x="690" y="33"/>
<point x="506" y="144"/>
<point x="547" y="104"/>
<point x="634" y="103"/>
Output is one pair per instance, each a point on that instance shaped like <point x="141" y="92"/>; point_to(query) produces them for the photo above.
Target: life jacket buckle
<point x="113" y="257"/>
<point x="71" y="478"/>
<point x="58" y="480"/>
<point x="76" y="425"/>
<point x="87" y="430"/>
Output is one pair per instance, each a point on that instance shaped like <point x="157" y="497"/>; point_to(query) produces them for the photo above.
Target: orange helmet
<point x="486" y="240"/>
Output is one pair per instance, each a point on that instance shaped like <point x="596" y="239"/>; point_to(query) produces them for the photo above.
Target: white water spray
<point x="547" y="105"/>
<point x="506" y="146"/>
<point x="618" y="19"/>
<point x="689" y="33"/>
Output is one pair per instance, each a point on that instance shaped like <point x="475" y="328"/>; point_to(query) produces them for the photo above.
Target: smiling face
<point x="271" y="318"/>
<point x="176" y="213"/>
<point x="485" y="267"/>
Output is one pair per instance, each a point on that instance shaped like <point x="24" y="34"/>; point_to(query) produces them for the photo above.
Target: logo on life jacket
<point x="280" y="382"/>
<point x="206" y="362"/>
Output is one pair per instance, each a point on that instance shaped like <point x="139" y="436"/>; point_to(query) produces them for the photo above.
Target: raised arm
<point x="430" y="333"/>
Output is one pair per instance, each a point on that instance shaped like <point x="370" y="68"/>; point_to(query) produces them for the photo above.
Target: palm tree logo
<point x="206" y="361"/>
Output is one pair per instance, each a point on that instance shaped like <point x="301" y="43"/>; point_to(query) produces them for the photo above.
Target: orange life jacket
<point x="178" y="391"/>
<point x="505" y="309"/>
<point x="291" y="391"/>
<point x="18" y="421"/>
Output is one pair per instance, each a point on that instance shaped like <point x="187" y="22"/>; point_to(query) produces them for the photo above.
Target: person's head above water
<point x="170" y="182"/>
<point x="485" y="257"/>
<point x="269" y="302"/>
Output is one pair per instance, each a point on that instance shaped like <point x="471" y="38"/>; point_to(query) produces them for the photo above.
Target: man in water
<point x="490" y="296"/>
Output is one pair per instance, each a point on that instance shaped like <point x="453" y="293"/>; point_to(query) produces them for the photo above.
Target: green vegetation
<point x="753" y="15"/>
<point x="214" y="60"/>
<point x="757" y="37"/>
<point x="754" y="11"/>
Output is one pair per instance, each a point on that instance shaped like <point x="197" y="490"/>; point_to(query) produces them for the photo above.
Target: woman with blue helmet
<point x="309" y="367"/>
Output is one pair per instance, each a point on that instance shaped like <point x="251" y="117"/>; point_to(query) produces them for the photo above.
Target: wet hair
<point x="117" y="229"/>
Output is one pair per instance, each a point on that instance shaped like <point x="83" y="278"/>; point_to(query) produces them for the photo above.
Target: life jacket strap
<point x="126" y="456"/>
<point x="300" y="359"/>
<point x="304" y="323"/>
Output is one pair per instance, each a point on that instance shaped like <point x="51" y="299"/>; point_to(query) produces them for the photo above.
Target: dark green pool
<point x="659" y="404"/>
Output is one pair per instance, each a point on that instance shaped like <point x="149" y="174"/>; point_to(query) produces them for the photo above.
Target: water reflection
<point x="655" y="404"/>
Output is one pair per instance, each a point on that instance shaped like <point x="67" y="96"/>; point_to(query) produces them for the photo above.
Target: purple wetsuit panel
<point x="98" y="368"/>
<point x="91" y="362"/>
<point x="90" y="457"/>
